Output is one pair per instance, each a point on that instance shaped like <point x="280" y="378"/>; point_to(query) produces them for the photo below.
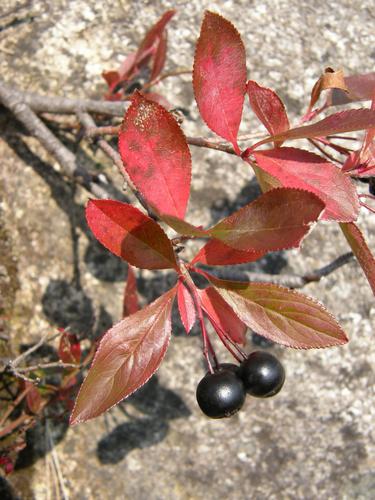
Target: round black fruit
<point x="221" y="394"/>
<point x="262" y="373"/>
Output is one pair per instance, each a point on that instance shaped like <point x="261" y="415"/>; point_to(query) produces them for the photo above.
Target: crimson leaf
<point x="297" y="168"/>
<point x="276" y="220"/>
<point x="130" y="303"/>
<point x="127" y="356"/>
<point x="216" y="253"/>
<point x="282" y="315"/>
<point x="130" y="234"/>
<point x="338" y="123"/>
<point x="268" y="107"/>
<point x="155" y="39"/>
<point x="219" y="76"/>
<point x="69" y="348"/>
<point x="361" y="251"/>
<point x="186" y="307"/>
<point x="222" y="315"/>
<point x="156" y="156"/>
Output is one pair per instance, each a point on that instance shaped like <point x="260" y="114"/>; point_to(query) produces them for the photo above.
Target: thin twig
<point x="13" y="405"/>
<point x="42" y="366"/>
<point x="287" y="280"/>
<point x="51" y="143"/>
<point x="64" y="105"/>
<point x="16" y="361"/>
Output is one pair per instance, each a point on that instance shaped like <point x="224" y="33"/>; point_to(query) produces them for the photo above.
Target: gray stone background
<point x="316" y="438"/>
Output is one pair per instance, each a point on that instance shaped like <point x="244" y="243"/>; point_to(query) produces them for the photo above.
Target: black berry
<point x="262" y="373"/>
<point x="221" y="394"/>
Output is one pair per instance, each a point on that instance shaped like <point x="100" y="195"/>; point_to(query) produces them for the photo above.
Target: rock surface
<point x="316" y="438"/>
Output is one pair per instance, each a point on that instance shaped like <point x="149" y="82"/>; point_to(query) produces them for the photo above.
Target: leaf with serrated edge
<point x="222" y="315"/>
<point x="276" y="220"/>
<point x="338" y="123"/>
<point x="362" y="252"/>
<point x="130" y="234"/>
<point x="186" y="307"/>
<point x="156" y="155"/>
<point x="297" y="168"/>
<point x="219" y="76"/>
<point x="127" y="356"/>
<point x="284" y="316"/>
<point x="268" y="107"/>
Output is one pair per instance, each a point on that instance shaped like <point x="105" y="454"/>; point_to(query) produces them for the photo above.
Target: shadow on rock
<point x="159" y="406"/>
<point x="6" y="491"/>
<point x="140" y="433"/>
<point x="67" y="306"/>
<point x="103" y="264"/>
<point x="39" y="443"/>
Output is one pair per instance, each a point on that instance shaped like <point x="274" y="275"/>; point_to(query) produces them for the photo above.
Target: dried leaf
<point x="282" y="315"/>
<point x="130" y="234"/>
<point x="127" y="356"/>
<point x="360" y="88"/>
<point x="276" y="220"/>
<point x="330" y="79"/>
<point x="156" y="156"/>
<point x="297" y="168"/>
<point x="219" y="76"/>
<point x="361" y="250"/>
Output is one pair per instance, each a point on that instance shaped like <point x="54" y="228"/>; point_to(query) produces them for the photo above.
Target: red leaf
<point x="361" y="251"/>
<point x="130" y="234"/>
<point x="127" y="356"/>
<point x="131" y="304"/>
<point x="360" y="88"/>
<point x="112" y="78"/>
<point x="268" y="107"/>
<point x="160" y="57"/>
<point x="186" y="307"/>
<point x="153" y="37"/>
<point x="156" y="156"/>
<point x="222" y="315"/>
<point x="338" y="123"/>
<point x="33" y="398"/>
<point x="282" y="315"/>
<point x="219" y="76"/>
<point x="215" y="253"/>
<point x="276" y="220"/>
<point x="69" y="348"/>
<point x="297" y="168"/>
<point x="364" y="159"/>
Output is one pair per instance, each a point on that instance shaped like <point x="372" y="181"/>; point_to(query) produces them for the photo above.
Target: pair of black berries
<point x="222" y="393"/>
